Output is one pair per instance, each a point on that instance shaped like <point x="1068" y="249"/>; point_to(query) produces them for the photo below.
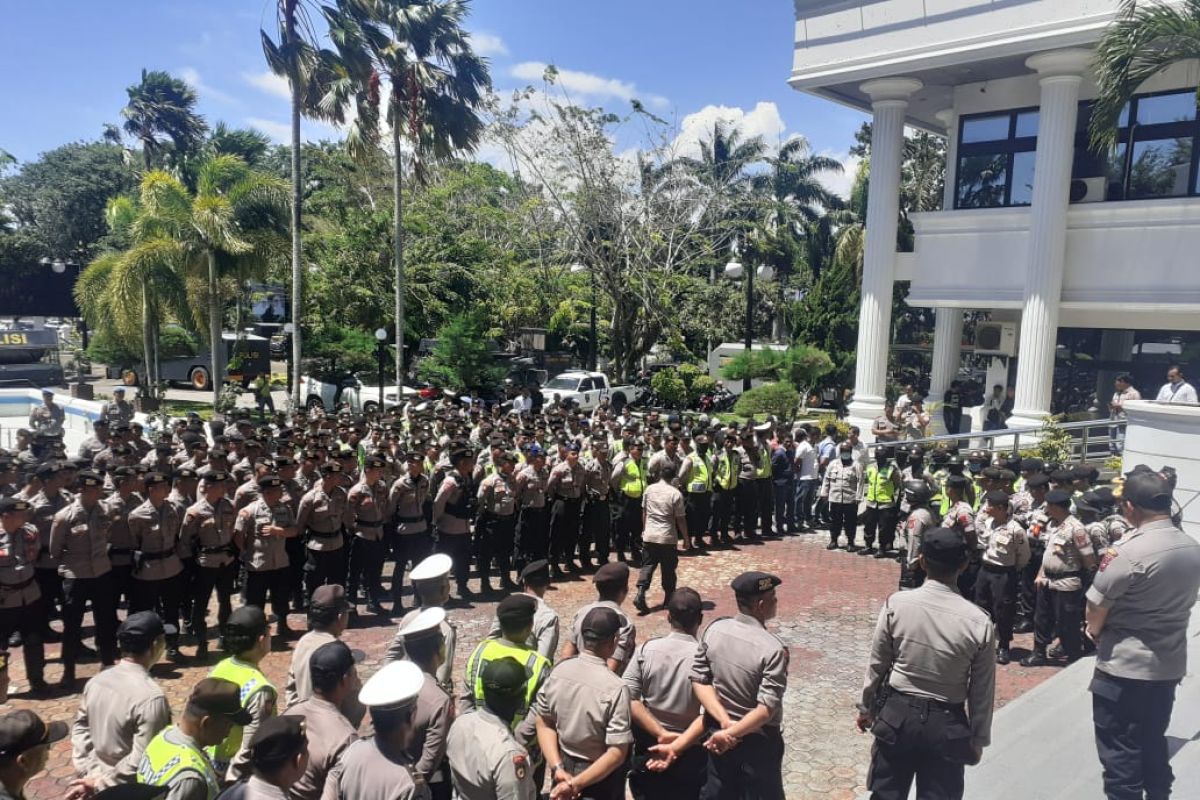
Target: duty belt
<point x="1056" y="576"/>
<point x="321" y="535"/>
<point x="157" y="555"/>
<point x="997" y="568"/>
<point x="120" y="551"/>
<point x="925" y="703"/>
<point x="417" y="518"/>
<point x="223" y="548"/>
<point x="15" y="587"/>
<point x="369" y="523"/>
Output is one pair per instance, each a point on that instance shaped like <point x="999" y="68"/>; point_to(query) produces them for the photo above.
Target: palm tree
<point x="436" y="86"/>
<point x="295" y="58"/>
<point x="159" y="107"/>
<point x="230" y="227"/>
<point x="725" y="157"/>
<point x="247" y="144"/>
<point x="1144" y="40"/>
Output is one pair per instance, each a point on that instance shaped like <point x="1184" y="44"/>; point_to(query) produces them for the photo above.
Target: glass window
<point x="982" y="180"/>
<point x="985" y="129"/>
<point x="1160" y="168"/>
<point x="1022" y="179"/>
<point x="1027" y="123"/>
<point x="1163" y="108"/>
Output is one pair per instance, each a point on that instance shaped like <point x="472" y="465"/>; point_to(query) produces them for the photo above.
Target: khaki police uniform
<point x="453" y="509"/>
<point x="486" y="760"/>
<point x="329" y="733"/>
<point x="122" y="709"/>
<point x="413" y="542"/>
<point x="664" y="513"/>
<point x="1059" y="609"/>
<point x="79" y="544"/>
<point x="432" y="716"/>
<point x="321" y="520"/>
<point x="626" y="637"/>
<point x="544" y="637"/>
<point x="365" y="773"/>
<point x="495" y="533"/>
<point x="369" y="510"/>
<point x="1005" y="552"/>
<point x="842" y="488"/>
<point x="533" y="522"/>
<point x="596" y="524"/>
<point x="265" y="556"/>
<point x="157" y="567"/>
<point x="565" y="488"/>
<point x="121" y="544"/>
<point x="21" y="606"/>
<point x="209" y="531"/>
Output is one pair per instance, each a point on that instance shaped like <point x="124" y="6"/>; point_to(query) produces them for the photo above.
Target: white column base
<point x="1027" y="419"/>
<point x="862" y="412"/>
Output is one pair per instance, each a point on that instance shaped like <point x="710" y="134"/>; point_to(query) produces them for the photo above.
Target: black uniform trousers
<point x="683" y="780"/>
<point x="595" y="538"/>
<point x="659" y="555"/>
<point x="458" y="547"/>
<point x="919" y="739"/>
<point x="564" y="528"/>
<point x="751" y="771"/>
<point x="122" y="581"/>
<point x="50" y="583"/>
<point x="366" y="568"/>
<point x="77" y="593"/>
<point x="163" y="597"/>
<point x="1130" y="719"/>
<point x="698" y="508"/>
<point x="996" y="593"/>
<point x="533" y="538"/>
<point x="1058" y="614"/>
<point x="276" y="583"/>
<point x="408" y="550"/>
<point x="1027" y="595"/>
<point x="322" y="567"/>
<point x="723" y="506"/>
<point x="843" y="518"/>
<point x="764" y="502"/>
<point x="745" y="510"/>
<point x="207" y="579"/>
<point x="187" y="588"/>
<point x="297" y="556"/>
<point x="28" y="619"/>
<point x="883" y="521"/>
<point x="629" y="527"/>
<point x="612" y="787"/>
<point x="495" y="538"/>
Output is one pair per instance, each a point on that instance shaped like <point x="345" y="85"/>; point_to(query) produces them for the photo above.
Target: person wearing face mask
<point x="1137" y="614"/>
<point x="882" y="494"/>
<point x="842" y="488"/>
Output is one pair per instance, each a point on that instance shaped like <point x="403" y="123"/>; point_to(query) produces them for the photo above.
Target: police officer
<point x="696" y="480"/>
<point x="323" y="516"/>
<point x="333" y="687"/>
<point x="425" y="646"/>
<point x="565" y="490"/>
<point x="49" y="417"/>
<point x="1030" y="511"/>
<point x="739" y="676"/>
<point x="259" y="534"/>
<point x="667" y="758"/>
<point x="154" y="526"/>
<point x="515" y="616"/>
<point x="629" y="484"/>
<point x="543" y="636"/>
<point x="46" y="502"/>
<point x="431" y="584"/>
<point x="379" y="767"/>
<point x="119" y="410"/>
<point x="584" y="718"/>
<point x="930" y="709"/>
<point x="533" y="522"/>
<point x="486" y="759"/>
<point x="596" y="524"/>
<point x="368" y="501"/>
<point x="121" y="545"/>
<point x="413" y="542"/>
<point x="79" y="544"/>
<point x="1060" y="582"/>
<point x="278" y="756"/>
<point x="495" y="533"/>
<point x="453" y="510"/>
<point x="122" y="708"/>
<point x="178" y="756"/>
<point x="1137" y="613"/>
<point x="664" y="525"/>
<point x="882" y="494"/>
<point x="842" y="489"/>
<point x="726" y="465"/>
<point x="208" y="529"/>
<point x="959" y="515"/>
<point x="612" y="588"/>
<point x="1004" y="553"/>
<point x="21" y="607"/>
<point x="247" y="639"/>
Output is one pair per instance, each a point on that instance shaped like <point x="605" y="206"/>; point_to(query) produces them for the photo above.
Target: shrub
<point x="1054" y="444"/>
<point x="779" y="399"/>
<point x="669" y="387"/>
<point x="831" y="419"/>
<point x="800" y="365"/>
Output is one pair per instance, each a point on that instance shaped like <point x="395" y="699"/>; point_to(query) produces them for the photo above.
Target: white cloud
<point x="585" y="83"/>
<point x="191" y="76"/>
<point x="488" y="44"/>
<point x="762" y="120"/>
<point x="268" y="82"/>
<point x="840" y="184"/>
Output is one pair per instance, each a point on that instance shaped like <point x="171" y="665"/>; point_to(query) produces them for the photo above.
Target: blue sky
<point x="67" y="63"/>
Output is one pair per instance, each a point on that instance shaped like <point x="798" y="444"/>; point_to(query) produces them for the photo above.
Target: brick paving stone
<point x="828" y="605"/>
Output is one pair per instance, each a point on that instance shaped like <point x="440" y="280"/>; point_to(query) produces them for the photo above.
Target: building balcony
<point x="1122" y="258"/>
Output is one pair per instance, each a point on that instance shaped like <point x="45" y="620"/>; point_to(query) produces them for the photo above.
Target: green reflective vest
<point x="727" y="474"/>
<point x="700" y="480"/>
<point x="880" y="486"/>
<point x="249" y="680"/>
<point x="763" y="470"/>
<point x="163" y="760"/>
<point x="536" y="666"/>
<point x="633" y="479"/>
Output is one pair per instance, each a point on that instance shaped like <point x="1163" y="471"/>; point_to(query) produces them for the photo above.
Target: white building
<point x="1036" y="228"/>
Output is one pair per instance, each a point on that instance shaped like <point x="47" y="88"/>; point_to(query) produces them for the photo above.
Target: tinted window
<point x="985" y="129"/>
<point x="1161" y="108"/>
<point x="1022" y="179"/>
<point x="1027" y="123"/>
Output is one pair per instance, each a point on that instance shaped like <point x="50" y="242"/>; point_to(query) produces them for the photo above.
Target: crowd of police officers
<point x="302" y="513"/>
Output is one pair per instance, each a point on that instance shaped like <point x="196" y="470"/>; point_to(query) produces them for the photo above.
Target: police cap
<point x="944" y="546"/>
<point x="393" y="687"/>
<point x="536" y="572"/>
<point x="599" y="624"/>
<point x="427" y="622"/>
<point x="1059" y="497"/>
<point x="434" y="567"/>
<point x="612" y="573"/>
<point x="277" y="740"/>
<point x="516" y="611"/>
<point x="24" y="730"/>
<point x="504" y="677"/>
<point x="750" y="584"/>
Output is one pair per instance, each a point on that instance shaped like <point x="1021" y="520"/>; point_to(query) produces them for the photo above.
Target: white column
<point x="1061" y="72"/>
<point x="947" y="331"/>
<point x="889" y="99"/>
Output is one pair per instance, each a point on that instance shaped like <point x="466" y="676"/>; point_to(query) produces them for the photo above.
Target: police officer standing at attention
<point x="696" y="478"/>
<point x="596" y="525"/>
<point x="154" y="526"/>
<point x="565" y="490"/>
<point x="739" y="676"/>
<point x="1137" y="613"/>
<point x="413" y="542"/>
<point x="667" y="758"/>
<point x="495" y="532"/>
<point x="261" y="530"/>
<point x="453" y="509"/>
<point x="1005" y="552"/>
<point x="321" y="519"/>
<point x="929" y="708"/>
<point x="486" y="760"/>
<point x="664" y="524"/>
<point x="583" y="717"/>
<point x="425" y="646"/>
<point x="21" y="607"/>
<point x="379" y="768"/>
<point x="612" y="586"/>
<point x="882" y="479"/>
<point x="368" y="501"/>
<point x="208" y="529"/>
<point x="1060" y="582"/>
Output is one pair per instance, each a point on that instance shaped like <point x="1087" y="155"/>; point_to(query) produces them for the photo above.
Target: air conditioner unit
<point x="996" y="339"/>
<point x="1089" y="190"/>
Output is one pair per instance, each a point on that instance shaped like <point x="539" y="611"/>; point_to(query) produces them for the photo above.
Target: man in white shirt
<point x="1176" y="389"/>
<point x="1116" y="411"/>
<point x="806" y="478"/>
<point x="522" y="403"/>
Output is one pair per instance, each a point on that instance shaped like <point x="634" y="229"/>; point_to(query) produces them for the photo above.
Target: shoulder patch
<point x="1109" y="554"/>
<point x="520" y="765"/>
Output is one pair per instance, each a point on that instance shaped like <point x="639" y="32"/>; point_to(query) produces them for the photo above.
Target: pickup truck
<point x="587" y="389"/>
<point x="330" y="391"/>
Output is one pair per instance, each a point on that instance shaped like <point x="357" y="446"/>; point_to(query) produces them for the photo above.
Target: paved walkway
<point x="828" y="604"/>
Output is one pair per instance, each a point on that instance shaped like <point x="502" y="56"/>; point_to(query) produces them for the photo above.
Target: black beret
<point x="141" y="629"/>
<point x="537" y="572"/>
<point x="504" y="676"/>
<point x="278" y="739"/>
<point x="944" y="546"/>
<point x="600" y="623"/>
<point x="1059" y="497"/>
<point x="614" y="572"/>
<point x="516" y="610"/>
<point x="1038" y="481"/>
<point x="754" y="583"/>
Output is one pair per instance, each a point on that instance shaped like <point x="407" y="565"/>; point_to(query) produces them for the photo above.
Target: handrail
<point x="991" y="435"/>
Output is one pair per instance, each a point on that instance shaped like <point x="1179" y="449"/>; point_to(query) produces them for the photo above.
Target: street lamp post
<point x="734" y="269"/>
<point x="290" y="330"/>
<point x="592" y="346"/>
<point x="59" y="266"/>
<point x="381" y="336"/>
